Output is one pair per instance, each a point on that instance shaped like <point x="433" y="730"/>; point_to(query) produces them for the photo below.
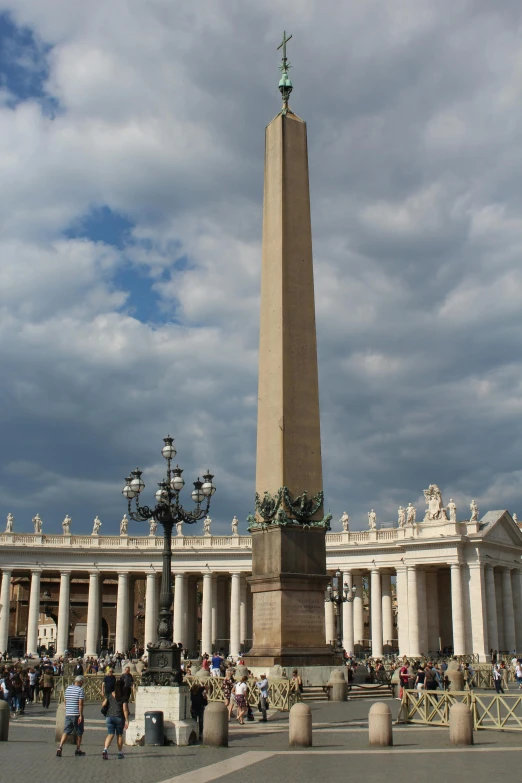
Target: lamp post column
<point x="34" y="611"/>
<point x="5" y="595"/>
<point x="348" y="639"/>
<point x="62" y="634"/>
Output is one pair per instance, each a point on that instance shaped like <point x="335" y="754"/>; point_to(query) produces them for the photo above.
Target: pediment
<point x="498" y="527"/>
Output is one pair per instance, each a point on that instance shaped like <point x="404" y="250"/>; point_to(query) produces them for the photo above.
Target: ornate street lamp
<point x="164" y="656"/>
<point x="340" y="594"/>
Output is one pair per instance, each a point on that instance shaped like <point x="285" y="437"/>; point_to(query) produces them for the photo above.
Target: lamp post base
<point x="164" y="666"/>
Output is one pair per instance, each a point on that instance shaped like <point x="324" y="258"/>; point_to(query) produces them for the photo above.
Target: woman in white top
<point x="240" y="692"/>
<point x="518" y="674"/>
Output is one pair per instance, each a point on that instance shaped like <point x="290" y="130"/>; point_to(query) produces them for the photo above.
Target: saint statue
<point x="402" y="516"/>
<point x="411" y="514"/>
<point x="10" y="522"/>
<point x="515" y="520"/>
<point x="66" y="525"/>
<point x="452" y="508"/>
<point x="153" y="526"/>
<point x="235" y="526"/>
<point x="206" y="526"/>
<point x="474" y="511"/>
<point x="124" y="525"/>
<point x="96" y="527"/>
<point x="435" y="510"/>
<point x="37" y="522"/>
<point x="372" y="520"/>
<point x="345" y="522"/>
<point x="179" y="528"/>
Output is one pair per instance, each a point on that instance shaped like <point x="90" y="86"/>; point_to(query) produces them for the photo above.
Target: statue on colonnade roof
<point x="435" y="510"/>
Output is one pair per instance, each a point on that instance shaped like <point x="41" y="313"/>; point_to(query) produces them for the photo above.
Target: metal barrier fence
<point x="490" y="711"/>
<point x="282" y="694"/>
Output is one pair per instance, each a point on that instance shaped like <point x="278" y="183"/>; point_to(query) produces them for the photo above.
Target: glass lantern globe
<point x="208" y="488"/>
<point x="137" y="484"/>
<point x="168" y="450"/>
<point x="197" y="492"/>
<point x="161" y="495"/>
<point x="177" y="481"/>
<point x="127" y="491"/>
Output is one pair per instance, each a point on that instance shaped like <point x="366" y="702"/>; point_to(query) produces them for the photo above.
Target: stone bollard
<point x="460" y="724"/>
<point x="5" y="713"/>
<point x="338" y="686"/>
<point x="215" y="725"/>
<point x="300" y="726"/>
<point x="380" y="725"/>
<point x="455" y="679"/>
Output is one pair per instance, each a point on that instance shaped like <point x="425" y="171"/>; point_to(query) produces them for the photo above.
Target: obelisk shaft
<point x="288" y="431"/>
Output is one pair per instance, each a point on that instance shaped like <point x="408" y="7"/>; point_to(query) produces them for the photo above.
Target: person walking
<point x="420" y="681"/>
<point x="228" y="686"/>
<point x="47" y="685"/>
<point x="128" y="682"/>
<point x="74" y="722"/>
<point x="497" y="679"/>
<point x="217" y="660"/>
<point x="109" y="682"/>
<point x="198" y="702"/>
<point x="404" y="678"/>
<point x="518" y="674"/>
<point x="263" y="697"/>
<point x="241" y="692"/>
<point x="117" y="717"/>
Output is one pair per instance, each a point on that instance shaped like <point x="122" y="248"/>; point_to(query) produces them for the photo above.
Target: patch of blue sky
<point x="24" y="66"/>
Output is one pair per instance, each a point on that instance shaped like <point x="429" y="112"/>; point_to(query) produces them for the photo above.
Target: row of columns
<point x="125" y="607"/>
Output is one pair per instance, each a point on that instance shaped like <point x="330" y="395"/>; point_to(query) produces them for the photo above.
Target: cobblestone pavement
<point x="260" y="752"/>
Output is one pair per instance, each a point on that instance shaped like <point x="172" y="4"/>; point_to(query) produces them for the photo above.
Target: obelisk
<point x="288" y="529"/>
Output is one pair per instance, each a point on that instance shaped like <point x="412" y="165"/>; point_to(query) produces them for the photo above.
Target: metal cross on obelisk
<point x="285" y="85"/>
<point x="283" y="44"/>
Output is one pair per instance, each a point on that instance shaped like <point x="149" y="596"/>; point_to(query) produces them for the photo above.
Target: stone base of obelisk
<point x="288" y="585"/>
<point x="173" y="702"/>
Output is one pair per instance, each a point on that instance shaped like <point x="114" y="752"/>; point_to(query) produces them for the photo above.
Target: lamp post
<point x="340" y="594"/>
<point x="165" y="657"/>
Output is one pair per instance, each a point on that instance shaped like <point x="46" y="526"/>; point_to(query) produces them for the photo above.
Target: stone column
<point x="329" y="622"/>
<point x="348" y="641"/>
<point x="479" y="620"/>
<point x="358" y="617"/>
<point x="376" y="613"/>
<point x="499" y="600"/>
<point x="402" y="610"/>
<point x="180" y="609"/>
<point x="62" y="634"/>
<point x="122" y="614"/>
<point x="5" y="595"/>
<point x="387" y="611"/>
<point x="509" y="615"/>
<point x="422" y="611"/>
<point x="432" y="608"/>
<point x="206" y="615"/>
<point x="34" y="611"/>
<point x="413" y="613"/>
<point x="516" y="584"/>
<point x="457" y="610"/>
<point x="235" y="601"/>
<point x="214" y="609"/>
<point x="491" y="604"/>
<point x="242" y="611"/>
<point x="151" y="620"/>
<point x="93" y="615"/>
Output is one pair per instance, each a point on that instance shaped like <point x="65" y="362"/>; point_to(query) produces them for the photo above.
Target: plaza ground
<point x="259" y="753"/>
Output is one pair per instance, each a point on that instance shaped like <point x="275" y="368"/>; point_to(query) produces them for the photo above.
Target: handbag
<point x="105" y="709"/>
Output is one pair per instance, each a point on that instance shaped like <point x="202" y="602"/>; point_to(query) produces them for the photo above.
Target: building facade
<point x="421" y="587"/>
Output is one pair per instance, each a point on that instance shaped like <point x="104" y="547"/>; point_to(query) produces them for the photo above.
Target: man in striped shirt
<point x="74" y="723"/>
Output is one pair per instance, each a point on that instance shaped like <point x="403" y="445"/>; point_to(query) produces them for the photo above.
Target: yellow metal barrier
<point x="490" y="711"/>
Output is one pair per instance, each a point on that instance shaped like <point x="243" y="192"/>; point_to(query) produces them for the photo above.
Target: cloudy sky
<point x="131" y="170"/>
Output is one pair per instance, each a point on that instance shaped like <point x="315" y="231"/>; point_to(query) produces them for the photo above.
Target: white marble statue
<point x="435" y="510"/>
<point x="235" y="526"/>
<point x="452" y="509"/>
<point x="411" y="514"/>
<point x="153" y="526"/>
<point x="402" y="516"/>
<point x="10" y="522"/>
<point x="38" y="524"/>
<point x="372" y="520"/>
<point x="206" y="526"/>
<point x="124" y="525"/>
<point x="345" y="522"/>
<point x="515" y="519"/>
<point x="66" y="525"/>
<point x="474" y="511"/>
<point x="96" y="526"/>
<point x="179" y="528"/>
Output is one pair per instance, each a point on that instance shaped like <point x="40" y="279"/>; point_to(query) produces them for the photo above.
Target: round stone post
<point x="215" y="725"/>
<point x="338" y="686"/>
<point x="380" y="725"/>
<point x="4" y="721"/>
<point x="460" y="724"/>
<point x="300" y="726"/>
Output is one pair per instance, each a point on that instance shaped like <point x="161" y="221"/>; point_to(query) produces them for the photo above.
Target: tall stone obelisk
<point x="288" y="529"/>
